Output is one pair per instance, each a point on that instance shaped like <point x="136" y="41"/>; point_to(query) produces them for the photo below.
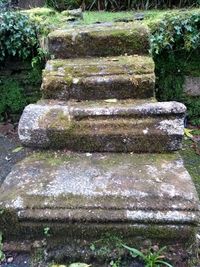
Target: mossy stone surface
<point x="109" y="39"/>
<point x="47" y="189"/>
<point x="100" y="126"/>
<point x="99" y="78"/>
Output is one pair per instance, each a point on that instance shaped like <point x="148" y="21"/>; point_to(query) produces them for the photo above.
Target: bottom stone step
<point x="83" y="196"/>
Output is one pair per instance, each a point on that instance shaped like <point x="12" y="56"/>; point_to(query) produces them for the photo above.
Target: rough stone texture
<point x="99" y="40"/>
<point x="79" y="193"/>
<point x="192" y="86"/>
<point x="77" y="13"/>
<point x="99" y="78"/>
<point x="122" y="126"/>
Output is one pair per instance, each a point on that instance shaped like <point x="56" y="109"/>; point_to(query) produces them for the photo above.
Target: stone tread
<point x="118" y="126"/>
<point x="99" y="78"/>
<point x="107" y="187"/>
<point x="109" y="39"/>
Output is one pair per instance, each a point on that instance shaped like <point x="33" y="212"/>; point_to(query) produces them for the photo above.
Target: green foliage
<point x="4" y="5"/>
<point x="106" y="244"/>
<point x="18" y="41"/>
<point x="175" y="43"/>
<point x="18" y="36"/>
<point x="171" y="69"/>
<point x="193" y="106"/>
<point x="190" y="155"/>
<point x="12" y="99"/>
<point x="47" y="231"/>
<point x="2" y="255"/>
<point x="170" y="75"/>
<point x="116" y="263"/>
<point x="175" y="33"/>
<point x="151" y="258"/>
<point x="18" y="89"/>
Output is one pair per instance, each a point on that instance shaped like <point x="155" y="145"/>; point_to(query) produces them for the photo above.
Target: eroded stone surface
<point x="77" y="13"/>
<point x="122" y="126"/>
<point x="99" y="40"/>
<point x="99" y="78"/>
<point x="192" y="86"/>
<point x="139" y="189"/>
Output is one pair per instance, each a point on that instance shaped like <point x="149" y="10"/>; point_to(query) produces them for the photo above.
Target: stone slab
<point x="192" y="86"/>
<point x="99" y="78"/>
<point x="83" y="195"/>
<point x="101" y="126"/>
<point x="106" y="39"/>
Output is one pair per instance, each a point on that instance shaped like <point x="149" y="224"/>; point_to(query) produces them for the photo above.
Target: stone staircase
<point x="117" y="171"/>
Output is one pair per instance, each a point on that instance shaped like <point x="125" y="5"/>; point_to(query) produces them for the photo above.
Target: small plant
<point x="105" y="245"/>
<point x="46" y="231"/>
<point x="2" y="255"/>
<point x="188" y="133"/>
<point x="116" y="263"/>
<point x="151" y="258"/>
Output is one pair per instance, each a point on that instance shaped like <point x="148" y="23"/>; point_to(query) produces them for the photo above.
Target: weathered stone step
<point x="99" y="78"/>
<point x="83" y="196"/>
<point x="122" y="126"/>
<point x="99" y="40"/>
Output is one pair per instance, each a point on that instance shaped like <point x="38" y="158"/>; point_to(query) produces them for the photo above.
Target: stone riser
<point x="119" y="87"/>
<point x="99" y="78"/>
<point x="101" y="40"/>
<point x="91" y="232"/>
<point x="107" y="143"/>
<point x="72" y="242"/>
<point x="104" y="127"/>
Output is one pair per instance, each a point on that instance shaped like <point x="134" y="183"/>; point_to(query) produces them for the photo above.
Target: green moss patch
<point x="191" y="159"/>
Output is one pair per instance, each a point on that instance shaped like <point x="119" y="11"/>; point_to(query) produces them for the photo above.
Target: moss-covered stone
<point x="99" y="40"/>
<point x="156" y="199"/>
<point x="99" y="78"/>
<point x="122" y="126"/>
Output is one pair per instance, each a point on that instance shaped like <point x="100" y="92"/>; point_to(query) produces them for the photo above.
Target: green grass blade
<point x="135" y="251"/>
<point x="164" y="263"/>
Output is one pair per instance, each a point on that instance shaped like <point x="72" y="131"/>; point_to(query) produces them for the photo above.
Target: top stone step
<point x="107" y="39"/>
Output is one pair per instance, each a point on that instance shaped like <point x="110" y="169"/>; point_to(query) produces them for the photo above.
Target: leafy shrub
<point x="175" y="44"/>
<point x="2" y="255"/>
<point x="18" y="41"/>
<point x="180" y="32"/>
<point x="18" y="36"/>
<point x="193" y="106"/>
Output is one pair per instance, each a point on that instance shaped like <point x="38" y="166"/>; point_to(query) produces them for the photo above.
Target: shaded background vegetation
<point x="107" y="4"/>
<point x="122" y="4"/>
